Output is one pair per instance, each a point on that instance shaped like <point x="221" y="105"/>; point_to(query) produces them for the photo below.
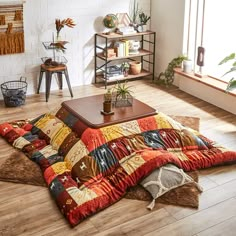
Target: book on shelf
<point x="114" y="69"/>
<point x="126" y="47"/>
<point x="120" y="48"/>
<point x="113" y="72"/>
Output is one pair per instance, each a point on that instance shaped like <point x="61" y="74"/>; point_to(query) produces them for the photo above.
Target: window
<point x="211" y="25"/>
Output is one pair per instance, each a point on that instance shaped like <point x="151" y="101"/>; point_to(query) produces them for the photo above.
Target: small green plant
<point x="108" y="95"/>
<point x="125" y="68"/>
<point x="232" y="83"/>
<point x="143" y="18"/>
<point x="122" y="90"/>
<point x="125" y="65"/>
<point x="167" y="77"/>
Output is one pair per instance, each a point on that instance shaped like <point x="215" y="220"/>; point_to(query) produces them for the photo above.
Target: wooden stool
<point x="49" y="71"/>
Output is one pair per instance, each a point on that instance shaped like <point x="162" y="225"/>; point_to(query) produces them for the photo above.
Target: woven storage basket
<point x="14" y="92"/>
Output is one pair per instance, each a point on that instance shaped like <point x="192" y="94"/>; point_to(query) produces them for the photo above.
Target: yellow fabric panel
<point x="132" y="163"/>
<point x="60" y="136"/>
<point x="60" y="168"/>
<point x="77" y="152"/>
<point x="162" y="122"/>
<point x="81" y="196"/>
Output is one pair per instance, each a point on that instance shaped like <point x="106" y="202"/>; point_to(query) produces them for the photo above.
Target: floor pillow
<point x="165" y="179"/>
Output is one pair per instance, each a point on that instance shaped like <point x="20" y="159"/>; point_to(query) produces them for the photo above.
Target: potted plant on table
<point x="122" y="94"/>
<point x="232" y="83"/>
<point x="107" y="103"/>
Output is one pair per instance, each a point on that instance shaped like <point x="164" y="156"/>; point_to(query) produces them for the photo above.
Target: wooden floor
<point x="29" y="210"/>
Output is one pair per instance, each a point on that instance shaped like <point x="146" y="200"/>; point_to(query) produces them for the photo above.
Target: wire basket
<point x="14" y="92"/>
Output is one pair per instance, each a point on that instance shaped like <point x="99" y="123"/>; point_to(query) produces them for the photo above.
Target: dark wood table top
<point x="88" y="110"/>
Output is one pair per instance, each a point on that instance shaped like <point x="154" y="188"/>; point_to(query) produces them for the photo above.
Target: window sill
<point x="209" y="89"/>
<point x="207" y="80"/>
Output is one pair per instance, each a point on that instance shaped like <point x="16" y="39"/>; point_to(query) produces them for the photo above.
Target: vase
<point x="135" y="67"/>
<point x="107" y="106"/>
<point x="187" y="66"/>
<point x="58" y="37"/>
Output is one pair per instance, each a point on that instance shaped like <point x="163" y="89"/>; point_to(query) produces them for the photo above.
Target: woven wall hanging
<point x="11" y="28"/>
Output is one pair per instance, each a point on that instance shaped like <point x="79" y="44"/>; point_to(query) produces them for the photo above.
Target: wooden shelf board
<point x="142" y="52"/>
<point x="116" y="35"/>
<point x="142" y="74"/>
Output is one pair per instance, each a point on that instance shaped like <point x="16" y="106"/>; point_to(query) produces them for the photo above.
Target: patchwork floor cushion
<point x="87" y="170"/>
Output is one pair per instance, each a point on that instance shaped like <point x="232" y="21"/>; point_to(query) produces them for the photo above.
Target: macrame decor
<point x="11" y="29"/>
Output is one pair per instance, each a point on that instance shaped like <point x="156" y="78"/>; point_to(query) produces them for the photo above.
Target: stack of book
<point x="122" y="48"/>
<point x="113" y="73"/>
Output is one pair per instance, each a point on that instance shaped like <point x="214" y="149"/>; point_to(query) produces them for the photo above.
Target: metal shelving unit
<point x="146" y="54"/>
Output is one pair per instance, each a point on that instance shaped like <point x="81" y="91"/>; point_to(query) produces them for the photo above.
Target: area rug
<point x="19" y="169"/>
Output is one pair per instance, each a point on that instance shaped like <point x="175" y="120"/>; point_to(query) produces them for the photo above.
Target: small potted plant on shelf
<point x="143" y="18"/>
<point x="122" y="94"/>
<point x="125" y="68"/>
<point x="232" y="83"/>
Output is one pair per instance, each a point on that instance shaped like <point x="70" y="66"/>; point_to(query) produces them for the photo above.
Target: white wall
<point x="39" y="18"/>
<point x="168" y="22"/>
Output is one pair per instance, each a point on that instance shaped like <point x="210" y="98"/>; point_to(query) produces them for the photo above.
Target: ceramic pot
<point x="135" y="67"/>
<point x="187" y="66"/>
<point x="107" y="107"/>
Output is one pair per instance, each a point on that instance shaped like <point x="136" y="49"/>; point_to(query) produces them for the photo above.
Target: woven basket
<point x="14" y="92"/>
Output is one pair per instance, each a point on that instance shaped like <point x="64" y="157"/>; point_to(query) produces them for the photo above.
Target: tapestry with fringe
<point x="11" y="28"/>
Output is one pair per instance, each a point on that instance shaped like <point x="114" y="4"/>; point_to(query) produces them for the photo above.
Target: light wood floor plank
<point x="196" y="223"/>
<point x="30" y="210"/>
<point x="227" y="227"/>
<point x="208" y="198"/>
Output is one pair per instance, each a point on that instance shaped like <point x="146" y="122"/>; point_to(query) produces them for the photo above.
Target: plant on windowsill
<point x="232" y="83"/>
<point x="167" y="77"/>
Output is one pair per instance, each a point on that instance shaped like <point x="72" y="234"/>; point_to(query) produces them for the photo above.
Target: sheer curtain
<point x="218" y="35"/>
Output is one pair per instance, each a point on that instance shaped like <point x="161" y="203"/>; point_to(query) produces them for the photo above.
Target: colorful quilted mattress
<point x="87" y="169"/>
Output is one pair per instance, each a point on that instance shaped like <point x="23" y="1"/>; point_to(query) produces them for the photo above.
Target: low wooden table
<point x="88" y="110"/>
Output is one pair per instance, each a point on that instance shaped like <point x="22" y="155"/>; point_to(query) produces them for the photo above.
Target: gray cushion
<point x="164" y="179"/>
